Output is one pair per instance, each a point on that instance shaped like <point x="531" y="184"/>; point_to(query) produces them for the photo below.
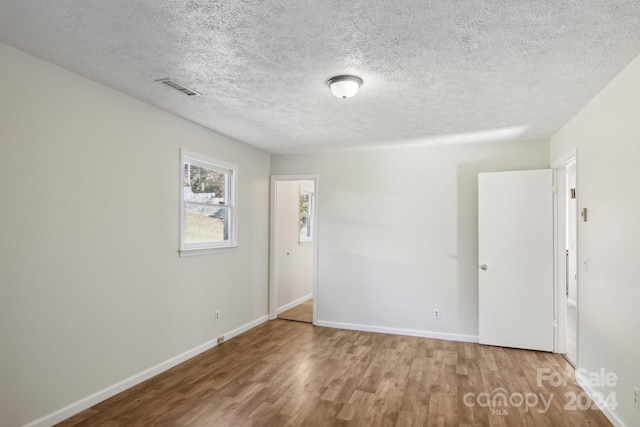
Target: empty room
<point x="296" y="213"/>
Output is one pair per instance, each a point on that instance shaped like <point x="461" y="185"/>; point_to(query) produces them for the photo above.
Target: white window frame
<point x="202" y="248"/>
<point x="303" y="240"/>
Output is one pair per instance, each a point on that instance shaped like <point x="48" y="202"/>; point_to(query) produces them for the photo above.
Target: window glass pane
<point x="207" y="199"/>
<point x="305" y="210"/>
<point x="204" y="185"/>
<point x="305" y="227"/>
<point x="205" y="223"/>
<point x="304" y="204"/>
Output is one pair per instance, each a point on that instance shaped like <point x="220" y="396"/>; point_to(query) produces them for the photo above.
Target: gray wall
<point x="92" y="290"/>
<point x="606" y="136"/>
<point x="398" y="233"/>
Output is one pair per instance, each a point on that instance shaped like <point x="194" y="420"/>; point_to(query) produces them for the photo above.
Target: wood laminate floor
<point x="301" y="313"/>
<point x="294" y="374"/>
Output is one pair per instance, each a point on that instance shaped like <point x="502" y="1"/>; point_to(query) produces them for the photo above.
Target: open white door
<point x="515" y="238"/>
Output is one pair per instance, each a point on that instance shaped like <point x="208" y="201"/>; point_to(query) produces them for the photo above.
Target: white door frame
<point x="559" y="255"/>
<point x="273" y="246"/>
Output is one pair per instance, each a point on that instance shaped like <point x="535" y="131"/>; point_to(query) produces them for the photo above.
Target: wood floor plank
<point x="302" y="312"/>
<point x="284" y="373"/>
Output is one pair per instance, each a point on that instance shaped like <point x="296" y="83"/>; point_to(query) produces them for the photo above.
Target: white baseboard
<point x="294" y="303"/>
<point x="87" y="402"/>
<point x="611" y="415"/>
<point x="245" y="328"/>
<point x="397" y="331"/>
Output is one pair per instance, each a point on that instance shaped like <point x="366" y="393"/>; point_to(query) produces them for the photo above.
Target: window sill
<point x="207" y="251"/>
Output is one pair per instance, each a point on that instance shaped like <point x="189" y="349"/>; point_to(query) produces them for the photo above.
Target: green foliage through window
<point x="202" y="180"/>
<point x="305" y="215"/>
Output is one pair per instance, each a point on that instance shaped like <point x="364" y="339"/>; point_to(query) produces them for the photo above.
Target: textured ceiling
<point x="432" y="70"/>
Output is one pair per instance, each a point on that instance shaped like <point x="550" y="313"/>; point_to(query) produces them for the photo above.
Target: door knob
<point x="483" y="267"/>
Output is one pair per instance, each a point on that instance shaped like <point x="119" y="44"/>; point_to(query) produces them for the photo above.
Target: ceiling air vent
<point x="178" y="86"/>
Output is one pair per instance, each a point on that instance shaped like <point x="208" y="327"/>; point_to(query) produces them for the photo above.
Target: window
<point x="207" y="213"/>
<point x="306" y="216"/>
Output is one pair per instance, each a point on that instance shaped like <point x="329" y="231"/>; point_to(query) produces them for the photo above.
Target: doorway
<point x="571" y="281"/>
<point x="294" y="242"/>
<point x="566" y="274"/>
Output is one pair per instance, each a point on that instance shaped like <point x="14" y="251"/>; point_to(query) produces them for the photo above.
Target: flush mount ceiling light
<point x="344" y="86"/>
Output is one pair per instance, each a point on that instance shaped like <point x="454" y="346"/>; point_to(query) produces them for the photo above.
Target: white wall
<point x="92" y="290"/>
<point x="398" y="232"/>
<point x="606" y="135"/>
<point x="295" y="260"/>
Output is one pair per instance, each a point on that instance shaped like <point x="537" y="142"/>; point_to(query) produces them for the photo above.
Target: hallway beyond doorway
<point x="300" y="313"/>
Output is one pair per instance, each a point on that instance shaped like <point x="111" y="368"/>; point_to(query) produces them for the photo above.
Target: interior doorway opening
<point x="571" y="280"/>
<point x="566" y="244"/>
<point x="294" y="243"/>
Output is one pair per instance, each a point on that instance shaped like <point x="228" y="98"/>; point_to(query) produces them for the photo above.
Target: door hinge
<point x="554" y="189"/>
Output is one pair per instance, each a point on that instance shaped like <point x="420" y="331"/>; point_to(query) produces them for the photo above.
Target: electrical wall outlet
<point x="217" y="316"/>
<point x="436" y="313"/>
<point x="636" y="397"/>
